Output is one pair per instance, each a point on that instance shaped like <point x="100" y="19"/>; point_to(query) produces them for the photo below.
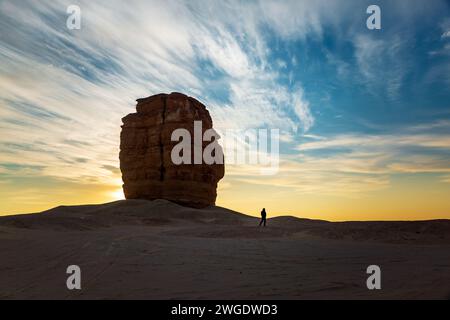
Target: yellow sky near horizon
<point x="420" y="199"/>
<point x="404" y="198"/>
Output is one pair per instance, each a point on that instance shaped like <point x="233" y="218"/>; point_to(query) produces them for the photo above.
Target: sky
<point x="364" y="115"/>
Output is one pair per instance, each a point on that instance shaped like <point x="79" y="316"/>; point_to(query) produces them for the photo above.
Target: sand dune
<point x="160" y="250"/>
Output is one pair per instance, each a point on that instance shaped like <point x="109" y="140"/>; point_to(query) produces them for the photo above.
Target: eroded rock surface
<point x="145" y="152"/>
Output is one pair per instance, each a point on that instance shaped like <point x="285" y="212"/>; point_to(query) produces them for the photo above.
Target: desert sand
<point x="137" y="249"/>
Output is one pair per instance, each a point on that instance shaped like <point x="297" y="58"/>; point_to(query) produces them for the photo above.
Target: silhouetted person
<point x="263" y="217"/>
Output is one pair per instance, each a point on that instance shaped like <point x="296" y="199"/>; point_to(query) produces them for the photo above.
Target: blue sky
<point x="357" y="108"/>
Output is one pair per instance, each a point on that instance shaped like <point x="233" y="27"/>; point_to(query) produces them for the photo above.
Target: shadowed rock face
<point x="145" y="152"/>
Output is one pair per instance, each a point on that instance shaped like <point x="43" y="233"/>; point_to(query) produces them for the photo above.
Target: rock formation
<point x="145" y="152"/>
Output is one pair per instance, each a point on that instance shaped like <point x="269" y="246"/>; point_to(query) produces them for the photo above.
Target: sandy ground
<point x="159" y="250"/>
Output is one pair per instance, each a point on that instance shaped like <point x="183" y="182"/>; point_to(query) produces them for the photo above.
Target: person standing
<point x="263" y="217"/>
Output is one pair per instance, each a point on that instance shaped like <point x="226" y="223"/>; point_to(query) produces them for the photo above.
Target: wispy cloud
<point x="372" y="142"/>
<point x="352" y="165"/>
<point x="382" y="63"/>
<point x="64" y="92"/>
<point x="383" y="154"/>
<point x="337" y="176"/>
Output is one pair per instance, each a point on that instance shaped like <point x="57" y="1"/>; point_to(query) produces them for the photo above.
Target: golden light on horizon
<point x="118" y="194"/>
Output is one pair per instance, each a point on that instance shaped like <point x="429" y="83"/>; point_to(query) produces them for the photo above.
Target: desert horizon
<point x="253" y="214"/>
